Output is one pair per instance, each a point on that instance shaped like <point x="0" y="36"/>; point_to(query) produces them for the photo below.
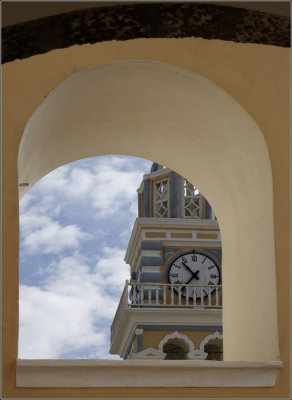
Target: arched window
<point x="176" y="346"/>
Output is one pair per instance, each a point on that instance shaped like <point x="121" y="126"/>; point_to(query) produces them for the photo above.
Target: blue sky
<point x="75" y="224"/>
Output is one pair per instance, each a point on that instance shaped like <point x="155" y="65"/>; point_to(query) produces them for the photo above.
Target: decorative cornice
<point x="157" y="174"/>
<point x="132" y="318"/>
<point x="160" y="20"/>
<point x="164" y="223"/>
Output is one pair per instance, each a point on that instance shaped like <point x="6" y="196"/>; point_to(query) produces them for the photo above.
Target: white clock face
<point x="194" y="268"/>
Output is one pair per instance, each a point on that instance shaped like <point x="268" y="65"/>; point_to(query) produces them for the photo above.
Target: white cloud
<point x="109" y="185"/>
<point x="41" y="232"/>
<point x="111" y="270"/>
<point x="25" y="202"/>
<point x="53" y="181"/>
<point x="43" y="235"/>
<point x="74" y="309"/>
<point x="116" y="190"/>
<point x="50" y="322"/>
<point x="71" y="312"/>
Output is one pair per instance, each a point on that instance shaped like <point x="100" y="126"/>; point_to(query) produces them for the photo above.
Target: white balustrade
<point x="170" y="295"/>
<point x="164" y="295"/>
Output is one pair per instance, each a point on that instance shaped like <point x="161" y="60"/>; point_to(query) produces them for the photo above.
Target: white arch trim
<point x="147" y="354"/>
<point x="200" y="354"/>
<point x="186" y="122"/>
<point x="179" y="336"/>
<point x="215" y="335"/>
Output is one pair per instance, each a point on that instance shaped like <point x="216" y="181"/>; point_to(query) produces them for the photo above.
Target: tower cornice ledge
<point x="165" y="224"/>
<point x="159" y="317"/>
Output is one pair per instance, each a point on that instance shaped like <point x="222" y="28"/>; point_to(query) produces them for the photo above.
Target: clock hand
<point x="190" y="295"/>
<point x="187" y="267"/>
<point x="189" y="280"/>
<point x="194" y="274"/>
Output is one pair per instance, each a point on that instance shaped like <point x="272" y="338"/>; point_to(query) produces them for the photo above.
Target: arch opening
<point x="161" y="112"/>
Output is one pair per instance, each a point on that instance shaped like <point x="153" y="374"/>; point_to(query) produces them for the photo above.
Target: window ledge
<point x="146" y="373"/>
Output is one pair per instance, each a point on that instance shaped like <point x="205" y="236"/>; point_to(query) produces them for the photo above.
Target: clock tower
<point x="171" y="307"/>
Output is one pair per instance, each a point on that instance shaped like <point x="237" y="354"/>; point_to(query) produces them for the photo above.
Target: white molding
<point x="148" y="354"/>
<point x="132" y="317"/>
<point x="194" y="232"/>
<point x="197" y="355"/>
<point x="175" y="242"/>
<point x="208" y="338"/>
<point x="160" y="172"/>
<point x="148" y="223"/>
<point x="145" y="373"/>
<point x="141" y="187"/>
<point x="192" y="354"/>
<point x="176" y="335"/>
<point x="138" y="257"/>
<point x="179" y="222"/>
<point x="151" y="175"/>
<point x="200" y="354"/>
<point x="151" y="253"/>
<point x="208" y="243"/>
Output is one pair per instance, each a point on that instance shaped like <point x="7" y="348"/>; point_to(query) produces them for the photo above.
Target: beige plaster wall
<point x="256" y="76"/>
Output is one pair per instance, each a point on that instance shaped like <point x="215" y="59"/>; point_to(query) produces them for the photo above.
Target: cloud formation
<point x="75" y="225"/>
<point x="72" y="312"/>
<point x="48" y="236"/>
<point x="108" y="186"/>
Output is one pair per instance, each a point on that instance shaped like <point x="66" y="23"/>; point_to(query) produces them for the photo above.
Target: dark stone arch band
<point x="162" y="20"/>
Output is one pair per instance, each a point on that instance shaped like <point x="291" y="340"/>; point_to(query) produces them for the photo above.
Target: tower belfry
<point x="171" y="308"/>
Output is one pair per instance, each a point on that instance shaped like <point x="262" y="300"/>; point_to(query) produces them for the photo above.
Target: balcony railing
<point x="164" y="295"/>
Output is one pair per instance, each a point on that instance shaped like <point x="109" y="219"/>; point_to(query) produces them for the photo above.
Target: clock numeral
<point x="177" y="266"/>
<point x="177" y="282"/>
<point x="194" y="258"/>
<point x="174" y="275"/>
<point x="211" y="266"/>
<point x="214" y="276"/>
<point x="184" y="259"/>
<point x="211" y="283"/>
<point x="204" y="260"/>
